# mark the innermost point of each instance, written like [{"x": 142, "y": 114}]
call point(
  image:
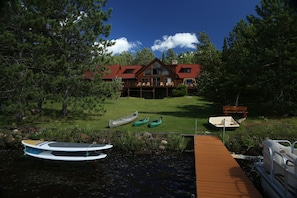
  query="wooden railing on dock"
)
[{"x": 218, "y": 174}]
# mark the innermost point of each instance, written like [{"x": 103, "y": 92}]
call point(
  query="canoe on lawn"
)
[
  {"x": 141, "y": 122},
  {"x": 155, "y": 123},
  {"x": 123, "y": 120}
]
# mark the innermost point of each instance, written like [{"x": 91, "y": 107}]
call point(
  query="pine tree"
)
[
  {"x": 274, "y": 52},
  {"x": 50, "y": 45},
  {"x": 211, "y": 75},
  {"x": 143, "y": 57}
]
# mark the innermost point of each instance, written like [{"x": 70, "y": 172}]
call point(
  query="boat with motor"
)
[
  {"x": 123, "y": 120},
  {"x": 278, "y": 168}
]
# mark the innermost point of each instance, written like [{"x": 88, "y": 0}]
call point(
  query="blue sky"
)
[{"x": 163, "y": 24}]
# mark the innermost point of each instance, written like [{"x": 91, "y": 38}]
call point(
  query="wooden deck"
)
[{"x": 217, "y": 172}]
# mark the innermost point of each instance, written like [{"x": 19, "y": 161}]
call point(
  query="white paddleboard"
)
[
  {"x": 64, "y": 146},
  {"x": 64, "y": 156}
]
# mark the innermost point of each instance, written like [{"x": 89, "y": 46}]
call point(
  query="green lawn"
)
[{"x": 179, "y": 115}]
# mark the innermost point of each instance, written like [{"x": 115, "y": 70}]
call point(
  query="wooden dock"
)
[{"x": 217, "y": 172}]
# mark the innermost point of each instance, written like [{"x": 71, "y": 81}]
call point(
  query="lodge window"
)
[
  {"x": 185, "y": 70},
  {"x": 168, "y": 80},
  {"x": 128, "y": 71},
  {"x": 156, "y": 69},
  {"x": 189, "y": 81},
  {"x": 156, "y": 72},
  {"x": 144, "y": 80},
  {"x": 147, "y": 72}
]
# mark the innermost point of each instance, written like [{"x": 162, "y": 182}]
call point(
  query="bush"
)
[{"x": 180, "y": 90}]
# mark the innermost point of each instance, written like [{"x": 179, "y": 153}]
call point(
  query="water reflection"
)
[{"x": 116, "y": 176}]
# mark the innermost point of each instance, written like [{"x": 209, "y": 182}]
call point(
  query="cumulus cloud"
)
[
  {"x": 182, "y": 40},
  {"x": 122, "y": 45}
]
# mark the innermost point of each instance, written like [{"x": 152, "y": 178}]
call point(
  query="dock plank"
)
[{"x": 217, "y": 172}]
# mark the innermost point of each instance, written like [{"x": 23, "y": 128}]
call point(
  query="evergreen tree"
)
[
  {"x": 163, "y": 58},
  {"x": 143, "y": 57},
  {"x": 237, "y": 60},
  {"x": 187, "y": 58},
  {"x": 16, "y": 77},
  {"x": 125, "y": 58},
  {"x": 170, "y": 56},
  {"x": 274, "y": 54},
  {"x": 209, "y": 81},
  {"x": 260, "y": 60},
  {"x": 54, "y": 43}
]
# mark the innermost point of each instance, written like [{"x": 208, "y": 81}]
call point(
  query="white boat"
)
[
  {"x": 64, "y": 146},
  {"x": 223, "y": 122},
  {"x": 65, "y": 151},
  {"x": 64, "y": 156},
  {"x": 278, "y": 169},
  {"x": 123, "y": 120}
]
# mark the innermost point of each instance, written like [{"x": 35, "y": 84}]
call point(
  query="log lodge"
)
[{"x": 155, "y": 80}]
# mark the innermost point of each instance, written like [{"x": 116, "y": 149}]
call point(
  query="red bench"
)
[{"x": 235, "y": 109}]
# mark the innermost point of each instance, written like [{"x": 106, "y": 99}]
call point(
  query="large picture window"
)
[
  {"x": 157, "y": 70},
  {"x": 147, "y": 72}
]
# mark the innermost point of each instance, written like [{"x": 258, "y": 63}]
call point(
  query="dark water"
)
[{"x": 118, "y": 175}]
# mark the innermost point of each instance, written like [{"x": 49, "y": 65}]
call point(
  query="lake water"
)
[{"x": 118, "y": 175}]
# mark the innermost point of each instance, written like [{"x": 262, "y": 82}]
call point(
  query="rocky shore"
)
[
  {"x": 139, "y": 143},
  {"x": 11, "y": 138}
]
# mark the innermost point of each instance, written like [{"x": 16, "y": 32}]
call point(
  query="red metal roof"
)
[
  {"x": 124, "y": 72},
  {"x": 130, "y": 71},
  {"x": 188, "y": 70},
  {"x": 113, "y": 69}
]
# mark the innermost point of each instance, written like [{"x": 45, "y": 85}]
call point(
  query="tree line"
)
[
  {"x": 46, "y": 46},
  {"x": 258, "y": 62}
]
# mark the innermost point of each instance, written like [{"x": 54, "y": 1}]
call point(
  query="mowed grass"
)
[{"x": 186, "y": 115}]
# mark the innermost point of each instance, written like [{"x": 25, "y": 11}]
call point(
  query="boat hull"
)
[
  {"x": 278, "y": 168},
  {"x": 64, "y": 151},
  {"x": 141, "y": 122},
  {"x": 269, "y": 188},
  {"x": 221, "y": 122},
  {"x": 123, "y": 121},
  {"x": 64, "y": 156},
  {"x": 64, "y": 146},
  {"x": 155, "y": 123}
]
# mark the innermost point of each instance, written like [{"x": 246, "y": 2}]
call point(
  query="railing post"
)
[{"x": 224, "y": 132}]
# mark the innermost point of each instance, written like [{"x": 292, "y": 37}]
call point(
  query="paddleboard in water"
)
[
  {"x": 64, "y": 156},
  {"x": 64, "y": 146}
]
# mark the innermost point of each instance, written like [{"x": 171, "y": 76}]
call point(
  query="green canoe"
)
[
  {"x": 155, "y": 123},
  {"x": 141, "y": 122}
]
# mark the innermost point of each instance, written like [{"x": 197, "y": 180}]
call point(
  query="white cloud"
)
[
  {"x": 122, "y": 45},
  {"x": 182, "y": 40}
]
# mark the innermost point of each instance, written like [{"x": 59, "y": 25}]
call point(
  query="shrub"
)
[{"x": 180, "y": 90}]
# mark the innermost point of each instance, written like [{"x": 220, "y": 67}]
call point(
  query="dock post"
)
[{"x": 224, "y": 130}]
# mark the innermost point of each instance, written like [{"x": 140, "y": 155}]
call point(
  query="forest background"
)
[{"x": 46, "y": 47}]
